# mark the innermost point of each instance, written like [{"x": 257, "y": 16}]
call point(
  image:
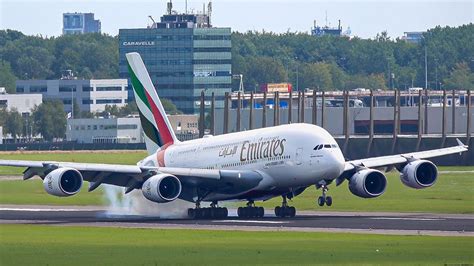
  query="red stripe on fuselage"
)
[{"x": 160, "y": 121}]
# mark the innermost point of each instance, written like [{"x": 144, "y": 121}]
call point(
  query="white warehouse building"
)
[
  {"x": 23, "y": 104},
  {"x": 90, "y": 95},
  {"x": 124, "y": 130}
]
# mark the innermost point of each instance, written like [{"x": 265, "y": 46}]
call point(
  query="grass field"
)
[
  {"x": 53, "y": 245},
  {"x": 453, "y": 193}
]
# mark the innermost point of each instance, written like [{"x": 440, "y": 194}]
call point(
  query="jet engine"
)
[
  {"x": 419, "y": 174},
  {"x": 368, "y": 183},
  {"x": 162, "y": 188},
  {"x": 63, "y": 182}
]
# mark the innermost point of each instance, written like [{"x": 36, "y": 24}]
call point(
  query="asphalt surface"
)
[{"x": 378, "y": 223}]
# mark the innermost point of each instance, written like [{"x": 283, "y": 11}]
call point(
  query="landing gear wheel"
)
[
  {"x": 250, "y": 211},
  {"x": 321, "y": 201},
  {"x": 328, "y": 201},
  {"x": 278, "y": 211},
  {"x": 291, "y": 211},
  {"x": 284, "y": 210},
  {"x": 192, "y": 213}
]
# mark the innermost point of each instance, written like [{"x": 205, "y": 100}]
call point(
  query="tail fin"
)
[{"x": 155, "y": 123}]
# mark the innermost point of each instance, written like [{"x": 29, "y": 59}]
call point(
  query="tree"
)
[
  {"x": 50, "y": 120},
  {"x": 461, "y": 78},
  {"x": 169, "y": 106},
  {"x": 13, "y": 123},
  {"x": 7, "y": 78},
  {"x": 316, "y": 76}
]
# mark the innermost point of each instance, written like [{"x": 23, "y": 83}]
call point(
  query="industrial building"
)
[
  {"x": 124, "y": 130},
  {"x": 90, "y": 95},
  {"x": 184, "y": 55},
  {"x": 22, "y": 104},
  {"x": 413, "y": 36},
  {"x": 80, "y": 23}
]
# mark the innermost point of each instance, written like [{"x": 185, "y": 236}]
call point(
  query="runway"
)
[{"x": 353, "y": 222}]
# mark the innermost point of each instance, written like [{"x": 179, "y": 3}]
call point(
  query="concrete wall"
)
[{"x": 334, "y": 118}]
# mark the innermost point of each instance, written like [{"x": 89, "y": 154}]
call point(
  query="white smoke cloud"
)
[{"x": 133, "y": 203}]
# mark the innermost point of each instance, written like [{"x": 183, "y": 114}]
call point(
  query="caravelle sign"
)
[{"x": 141, "y": 43}]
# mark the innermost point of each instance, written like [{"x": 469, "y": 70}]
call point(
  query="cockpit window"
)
[
  {"x": 334, "y": 145},
  {"x": 328, "y": 146}
]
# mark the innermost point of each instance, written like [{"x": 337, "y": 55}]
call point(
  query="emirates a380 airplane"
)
[{"x": 254, "y": 165}]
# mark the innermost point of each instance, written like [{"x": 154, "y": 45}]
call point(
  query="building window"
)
[
  {"x": 107, "y": 101},
  {"x": 38, "y": 89},
  {"x": 86, "y": 88},
  {"x": 66, "y": 101},
  {"x": 108, "y": 88},
  {"x": 95, "y": 127},
  {"x": 20, "y": 89},
  {"x": 130, "y": 126},
  {"x": 87, "y": 101},
  {"x": 67, "y": 88}
]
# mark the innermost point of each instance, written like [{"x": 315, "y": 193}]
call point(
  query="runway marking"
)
[
  {"x": 406, "y": 219},
  {"x": 43, "y": 210},
  {"x": 251, "y": 221}
]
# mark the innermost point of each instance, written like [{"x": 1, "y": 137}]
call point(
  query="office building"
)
[
  {"x": 24, "y": 105},
  {"x": 80, "y": 23},
  {"x": 90, "y": 95},
  {"x": 184, "y": 55}
]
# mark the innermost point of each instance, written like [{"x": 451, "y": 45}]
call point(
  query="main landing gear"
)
[
  {"x": 251, "y": 211},
  {"x": 285, "y": 210},
  {"x": 214, "y": 212},
  {"x": 324, "y": 199}
]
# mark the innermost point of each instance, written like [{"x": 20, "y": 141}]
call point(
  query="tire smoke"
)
[{"x": 133, "y": 203}]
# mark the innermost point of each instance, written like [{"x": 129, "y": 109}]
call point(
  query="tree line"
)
[{"x": 306, "y": 61}]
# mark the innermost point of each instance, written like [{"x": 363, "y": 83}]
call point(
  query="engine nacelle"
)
[
  {"x": 419, "y": 174},
  {"x": 162, "y": 188},
  {"x": 63, "y": 182},
  {"x": 368, "y": 183}
]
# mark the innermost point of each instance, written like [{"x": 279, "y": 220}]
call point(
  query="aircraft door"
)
[{"x": 299, "y": 155}]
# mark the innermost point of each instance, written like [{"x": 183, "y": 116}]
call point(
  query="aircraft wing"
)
[
  {"x": 393, "y": 160},
  {"x": 132, "y": 176}
]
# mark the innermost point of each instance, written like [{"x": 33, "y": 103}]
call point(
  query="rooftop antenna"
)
[
  {"x": 170, "y": 7},
  {"x": 326, "y": 18},
  {"x": 209, "y": 11}
]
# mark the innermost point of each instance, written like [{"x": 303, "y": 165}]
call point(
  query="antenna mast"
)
[
  {"x": 170, "y": 7},
  {"x": 209, "y": 11}
]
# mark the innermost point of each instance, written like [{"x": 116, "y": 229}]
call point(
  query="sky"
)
[{"x": 365, "y": 18}]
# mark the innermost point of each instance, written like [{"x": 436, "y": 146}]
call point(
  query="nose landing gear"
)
[
  {"x": 285, "y": 210},
  {"x": 324, "y": 199}
]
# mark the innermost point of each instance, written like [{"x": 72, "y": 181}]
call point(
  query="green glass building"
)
[{"x": 184, "y": 55}]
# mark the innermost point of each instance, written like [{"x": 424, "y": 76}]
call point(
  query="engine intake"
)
[
  {"x": 63, "y": 182},
  {"x": 419, "y": 174},
  {"x": 368, "y": 183},
  {"x": 162, "y": 188}
]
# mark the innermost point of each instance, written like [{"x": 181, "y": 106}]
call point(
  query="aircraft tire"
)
[
  {"x": 328, "y": 201},
  {"x": 321, "y": 201}
]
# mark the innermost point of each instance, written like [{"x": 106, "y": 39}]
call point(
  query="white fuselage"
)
[{"x": 284, "y": 155}]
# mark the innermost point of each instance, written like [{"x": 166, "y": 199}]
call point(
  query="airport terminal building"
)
[{"x": 184, "y": 55}]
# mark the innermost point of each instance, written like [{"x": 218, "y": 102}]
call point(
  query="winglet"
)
[{"x": 460, "y": 143}]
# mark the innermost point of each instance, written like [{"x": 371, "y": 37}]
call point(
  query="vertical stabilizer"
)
[{"x": 155, "y": 123}]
